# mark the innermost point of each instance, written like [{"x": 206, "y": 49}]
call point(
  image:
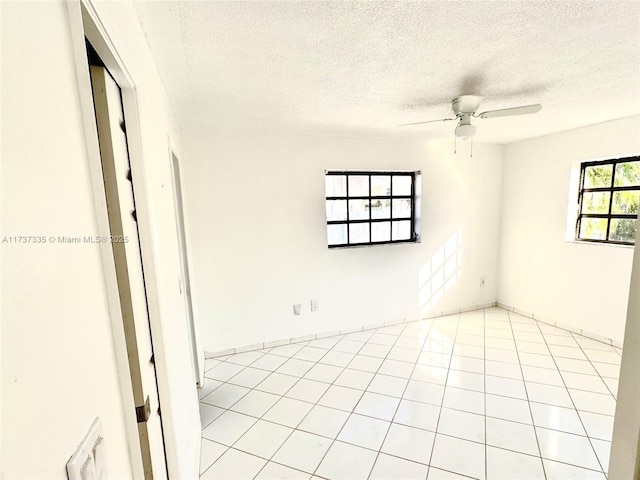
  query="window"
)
[
  {"x": 370, "y": 208},
  {"x": 608, "y": 201}
]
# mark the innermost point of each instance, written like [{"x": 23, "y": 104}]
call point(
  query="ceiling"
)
[{"x": 362, "y": 68}]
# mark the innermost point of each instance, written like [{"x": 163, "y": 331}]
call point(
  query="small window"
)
[
  {"x": 608, "y": 201},
  {"x": 370, "y": 208}
]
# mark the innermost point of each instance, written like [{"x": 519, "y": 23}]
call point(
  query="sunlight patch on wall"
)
[{"x": 440, "y": 273}]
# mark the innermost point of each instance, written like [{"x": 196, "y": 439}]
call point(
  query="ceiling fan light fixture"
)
[{"x": 465, "y": 132}]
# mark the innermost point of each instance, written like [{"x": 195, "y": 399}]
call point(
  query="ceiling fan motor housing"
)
[{"x": 465, "y": 105}]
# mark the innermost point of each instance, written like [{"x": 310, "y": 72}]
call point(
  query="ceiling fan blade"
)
[
  {"x": 505, "y": 112},
  {"x": 428, "y": 121}
]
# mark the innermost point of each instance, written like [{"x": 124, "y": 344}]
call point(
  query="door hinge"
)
[{"x": 143, "y": 411}]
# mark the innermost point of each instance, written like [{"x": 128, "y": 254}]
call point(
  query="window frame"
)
[
  {"x": 414, "y": 236},
  {"x": 611, "y": 189}
]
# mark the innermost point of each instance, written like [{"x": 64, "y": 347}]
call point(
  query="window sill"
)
[{"x": 600, "y": 244}]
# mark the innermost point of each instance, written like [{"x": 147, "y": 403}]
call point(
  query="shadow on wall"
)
[{"x": 440, "y": 273}]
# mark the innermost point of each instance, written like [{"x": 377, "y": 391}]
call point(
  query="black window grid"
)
[
  {"x": 411, "y": 217},
  {"x": 611, "y": 189}
]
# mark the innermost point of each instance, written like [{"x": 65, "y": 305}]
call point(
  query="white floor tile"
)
[
  {"x": 225, "y": 395},
  {"x": 507, "y": 408},
  {"x": 354, "y": 378},
  {"x": 417, "y": 414},
  {"x": 295, "y": 367},
  {"x": 576, "y": 366},
  {"x": 409, "y": 443},
  {"x": 506, "y": 465},
  {"x": 346, "y": 462},
  {"x": 508, "y": 387},
  {"x": 396, "y": 368},
  {"x": 608, "y": 370},
  {"x": 467, "y": 364},
  {"x": 388, "y": 467},
  {"x": 326, "y": 343},
  {"x": 467, "y": 380},
  {"x": 324, "y": 421},
  {"x": 275, "y": 471},
  {"x": 365, "y": 363},
  {"x": 286, "y": 350},
  {"x": 308, "y": 390},
  {"x": 209, "y": 386},
  {"x": 593, "y": 402},
  {"x": 597, "y": 425},
  {"x": 456, "y": 423},
  {"x": 377, "y": 406},
  {"x": 542, "y": 375},
  {"x": 373, "y": 350},
  {"x": 387, "y": 385},
  {"x": 269, "y": 362},
  {"x": 209, "y": 453},
  {"x": 370, "y": 403},
  {"x": 567, "y": 352},
  {"x": 602, "y": 356},
  {"x": 249, "y": 377},
  {"x": 502, "y": 369},
  {"x": 277, "y": 383},
  {"x": 428, "y": 373},
  {"x": 208, "y": 413},
  {"x": 512, "y": 436},
  {"x": 255, "y": 403},
  {"x": 245, "y": 358},
  {"x": 342, "y": 398},
  {"x": 209, "y": 363},
  {"x": 234, "y": 464},
  {"x": 603, "y": 450},
  {"x": 549, "y": 394},
  {"x": 404, "y": 354},
  {"x": 438, "y": 474},
  {"x": 311, "y": 354},
  {"x": 580, "y": 381},
  {"x": 567, "y": 448},
  {"x": 288, "y": 411},
  {"x": 323, "y": 373},
  {"x": 562, "y": 471},
  {"x": 424, "y": 392},
  {"x": 303, "y": 451},
  {"x": 537, "y": 360},
  {"x": 337, "y": 359},
  {"x": 466, "y": 400},
  {"x": 224, "y": 371},
  {"x": 228, "y": 427},
  {"x": 348, "y": 346},
  {"x": 459, "y": 456},
  {"x": 364, "y": 431},
  {"x": 556, "y": 418},
  {"x": 498, "y": 355},
  {"x": 263, "y": 439}
]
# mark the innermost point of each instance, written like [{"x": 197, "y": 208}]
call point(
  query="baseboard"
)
[
  {"x": 563, "y": 326},
  {"x": 316, "y": 336}
]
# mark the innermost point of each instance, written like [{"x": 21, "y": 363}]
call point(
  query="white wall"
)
[
  {"x": 257, "y": 224},
  {"x": 58, "y": 364},
  {"x": 579, "y": 284}
]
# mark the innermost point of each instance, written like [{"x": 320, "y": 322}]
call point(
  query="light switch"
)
[{"x": 89, "y": 461}]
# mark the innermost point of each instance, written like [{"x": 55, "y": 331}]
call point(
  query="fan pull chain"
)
[
  {"x": 471, "y": 147},
  {"x": 455, "y": 143}
]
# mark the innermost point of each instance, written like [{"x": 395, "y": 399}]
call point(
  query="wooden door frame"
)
[{"x": 84, "y": 22}]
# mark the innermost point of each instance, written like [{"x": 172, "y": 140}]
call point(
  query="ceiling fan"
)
[{"x": 465, "y": 106}]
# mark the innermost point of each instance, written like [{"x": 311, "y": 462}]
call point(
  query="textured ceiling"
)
[{"x": 361, "y": 68}]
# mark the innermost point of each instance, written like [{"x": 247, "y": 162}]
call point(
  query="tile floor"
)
[{"x": 487, "y": 394}]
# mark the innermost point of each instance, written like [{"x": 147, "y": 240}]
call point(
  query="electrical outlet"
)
[
  {"x": 483, "y": 281},
  {"x": 314, "y": 305}
]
